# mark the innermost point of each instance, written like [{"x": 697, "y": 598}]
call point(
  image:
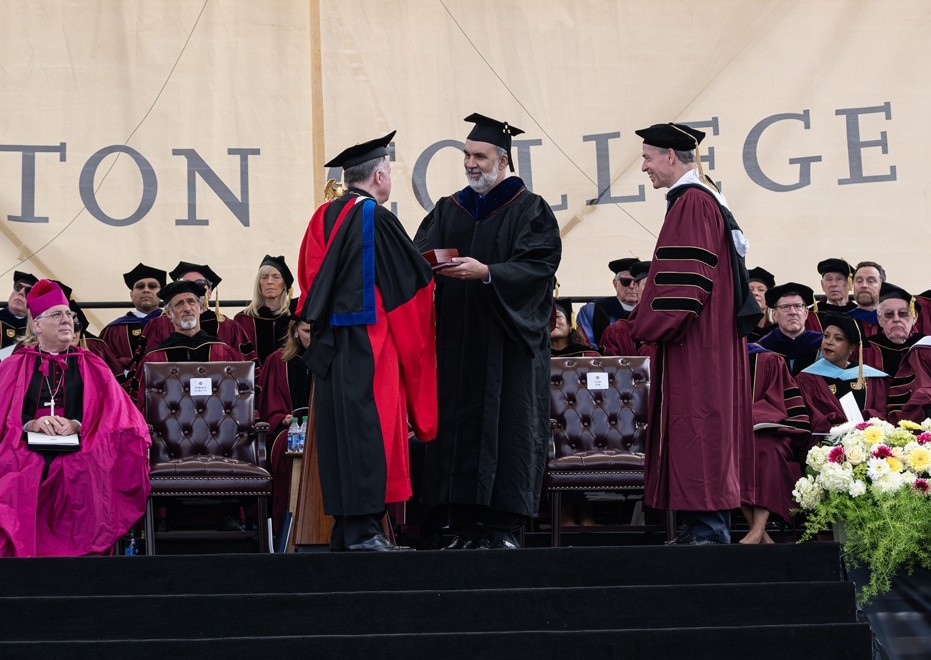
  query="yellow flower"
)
[
  {"x": 919, "y": 459},
  {"x": 874, "y": 434},
  {"x": 910, "y": 425},
  {"x": 895, "y": 464}
]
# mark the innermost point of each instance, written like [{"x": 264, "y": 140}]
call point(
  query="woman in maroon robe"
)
[
  {"x": 285, "y": 389},
  {"x": 265, "y": 321}
]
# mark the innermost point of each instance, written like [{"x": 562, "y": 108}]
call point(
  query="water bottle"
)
[
  {"x": 130, "y": 549},
  {"x": 294, "y": 436},
  {"x": 303, "y": 432}
]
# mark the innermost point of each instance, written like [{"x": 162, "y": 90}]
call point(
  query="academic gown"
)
[
  {"x": 700, "y": 429},
  {"x": 264, "y": 332},
  {"x": 822, "y": 393},
  {"x": 594, "y": 317},
  {"x": 123, "y": 335},
  {"x": 617, "y": 340},
  {"x": 493, "y": 349},
  {"x": 910, "y": 391},
  {"x": 799, "y": 352},
  {"x": 225, "y": 329},
  {"x": 777, "y": 400},
  {"x": 179, "y": 347},
  {"x": 89, "y": 498},
  {"x": 284, "y": 387},
  {"x": 368, "y": 294},
  {"x": 884, "y": 354},
  {"x": 11, "y": 327}
]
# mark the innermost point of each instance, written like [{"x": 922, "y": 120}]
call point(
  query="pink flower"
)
[
  {"x": 922, "y": 486},
  {"x": 837, "y": 455},
  {"x": 882, "y": 451},
  {"x": 923, "y": 438},
  {"x": 863, "y": 425}
]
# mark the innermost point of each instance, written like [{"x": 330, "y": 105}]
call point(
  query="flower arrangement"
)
[{"x": 873, "y": 478}]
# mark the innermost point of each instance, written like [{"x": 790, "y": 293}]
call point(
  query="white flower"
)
[
  {"x": 877, "y": 468},
  {"x": 857, "y": 488},
  {"x": 889, "y": 482},
  {"x": 855, "y": 453},
  {"x": 836, "y": 477},
  {"x": 817, "y": 456},
  {"x": 807, "y": 492}
]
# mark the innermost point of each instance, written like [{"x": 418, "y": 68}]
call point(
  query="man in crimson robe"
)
[
  {"x": 73, "y": 449},
  {"x": 368, "y": 294},
  {"x": 123, "y": 335},
  {"x": 700, "y": 424},
  {"x": 493, "y": 344}
]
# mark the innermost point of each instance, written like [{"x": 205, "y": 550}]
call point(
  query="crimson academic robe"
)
[
  {"x": 493, "y": 348},
  {"x": 617, "y": 340},
  {"x": 369, "y": 296},
  {"x": 700, "y": 427},
  {"x": 778, "y": 404},
  {"x": 910, "y": 391},
  {"x": 178, "y": 347},
  {"x": 821, "y": 395},
  {"x": 123, "y": 335},
  {"x": 89, "y": 498},
  {"x": 264, "y": 331},
  {"x": 884, "y": 354},
  {"x": 284, "y": 387},
  {"x": 225, "y": 329}
]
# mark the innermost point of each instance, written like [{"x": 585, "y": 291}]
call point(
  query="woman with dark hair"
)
[
  {"x": 825, "y": 382},
  {"x": 265, "y": 321},
  {"x": 565, "y": 340},
  {"x": 285, "y": 389}
]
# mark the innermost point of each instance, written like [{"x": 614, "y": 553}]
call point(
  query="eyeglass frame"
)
[
  {"x": 72, "y": 316},
  {"x": 890, "y": 314},
  {"x": 788, "y": 307},
  {"x": 22, "y": 287}
]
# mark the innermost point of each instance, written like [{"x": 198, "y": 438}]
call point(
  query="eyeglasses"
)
[
  {"x": 798, "y": 307},
  {"x": 902, "y": 314},
  {"x": 626, "y": 281},
  {"x": 22, "y": 287},
  {"x": 57, "y": 316}
]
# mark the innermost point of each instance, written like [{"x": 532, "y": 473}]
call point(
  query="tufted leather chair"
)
[
  {"x": 599, "y": 434},
  {"x": 205, "y": 446}
]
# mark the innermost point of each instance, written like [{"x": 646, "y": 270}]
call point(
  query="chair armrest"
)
[{"x": 261, "y": 431}]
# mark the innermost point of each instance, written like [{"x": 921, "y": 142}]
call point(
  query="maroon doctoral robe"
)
[
  {"x": 820, "y": 395},
  {"x": 777, "y": 403},
  {"x": 910, "y": 391},
  {"x": 89, "y": 498},
  {"x": 700, "y": 409}
]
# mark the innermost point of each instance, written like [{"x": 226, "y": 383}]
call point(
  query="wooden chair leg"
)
[{"x": 149, "y": 527}]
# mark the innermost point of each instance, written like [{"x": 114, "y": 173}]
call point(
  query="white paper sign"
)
[
  {"x": 850, "y": 408},
  {"x": 597, "y": 380},
  {"x": 201, "y": 387}
]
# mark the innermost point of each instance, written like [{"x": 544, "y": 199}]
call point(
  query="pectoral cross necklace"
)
[{"x": 53, "y": 393}]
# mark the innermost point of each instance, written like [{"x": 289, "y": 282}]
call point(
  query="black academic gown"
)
[
  {"x": 11, "y": 327},
  {"x": 493, "y": 349}
]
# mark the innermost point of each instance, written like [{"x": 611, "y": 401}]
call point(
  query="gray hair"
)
[
  {"x": 685, "y": 155},
  {"x": 360, "y": 173}
]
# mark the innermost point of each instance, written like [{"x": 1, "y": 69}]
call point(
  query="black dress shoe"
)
[
  {"x": 462, "y": 543},
  {"x": 376, "y": 543},
  {"x": 500, "y": 542}
]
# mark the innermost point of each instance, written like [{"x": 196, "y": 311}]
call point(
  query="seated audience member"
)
[
  {"x": 868, "y": 277},
  {"x": 923, "y": 324},
  {"x": 565, "y": 340},
  {"x": 188, "y": 342},
  {"x": 616, "y": 339},
  {"x": 833, "y": 376},
  {"x": 761, "y": 281},
  {"x": 73, "y": 449},
  {"x": 211, "y": 322},
  {"x": 265, "y": 321},
  {"x": 124, "y": 334},
  {"x": 597, "y": 315},
  {"x": 285, "y": 387},
  {"x": 782, "y": 433},
  {"x": 789, "y": 304},
  {"x": 897, "y": 314},
  {"x": 836, "y": 283},
  {"x": 13, "y": 316}
]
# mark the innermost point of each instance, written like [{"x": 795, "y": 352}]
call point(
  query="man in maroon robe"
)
[
  {"x": 80, "y": 501},
  {"x": 368, "y": 294},
  {"x": 700, "y": 424}
]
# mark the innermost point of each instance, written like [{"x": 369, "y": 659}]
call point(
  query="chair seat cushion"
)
[
  {"x": 607, "y": 459},
  {"x": 208, "y": 474},
  {"x": 593, "y": 480}
]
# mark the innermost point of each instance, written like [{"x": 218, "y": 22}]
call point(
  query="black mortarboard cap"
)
[
  {"x": 889, "y": 291},
  {"x": 65, "y": 289},
  {"x": 27, "y": 278},
  {"x": 565, "y": 306},
  {"x": 185, "y": 267},
  {"x": 359, "y": 153},
  {"x": 773, "y": 294},
  {"x": 835, "y": 266},
  {"x": 142, "y": 272},
  {"x": 639, "y": 270},
  {"x": 618, "y": 265},
  {"x": 82, "y": 317},
  {"x": 278, "y": 264},
  {"x": 763, "y": 276},
  {"x": 169, "y": 291},
  {"x": 498, "y": 133},
  {"x": 849, "y": 325},
  {"x": 671, "y": 136}
]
